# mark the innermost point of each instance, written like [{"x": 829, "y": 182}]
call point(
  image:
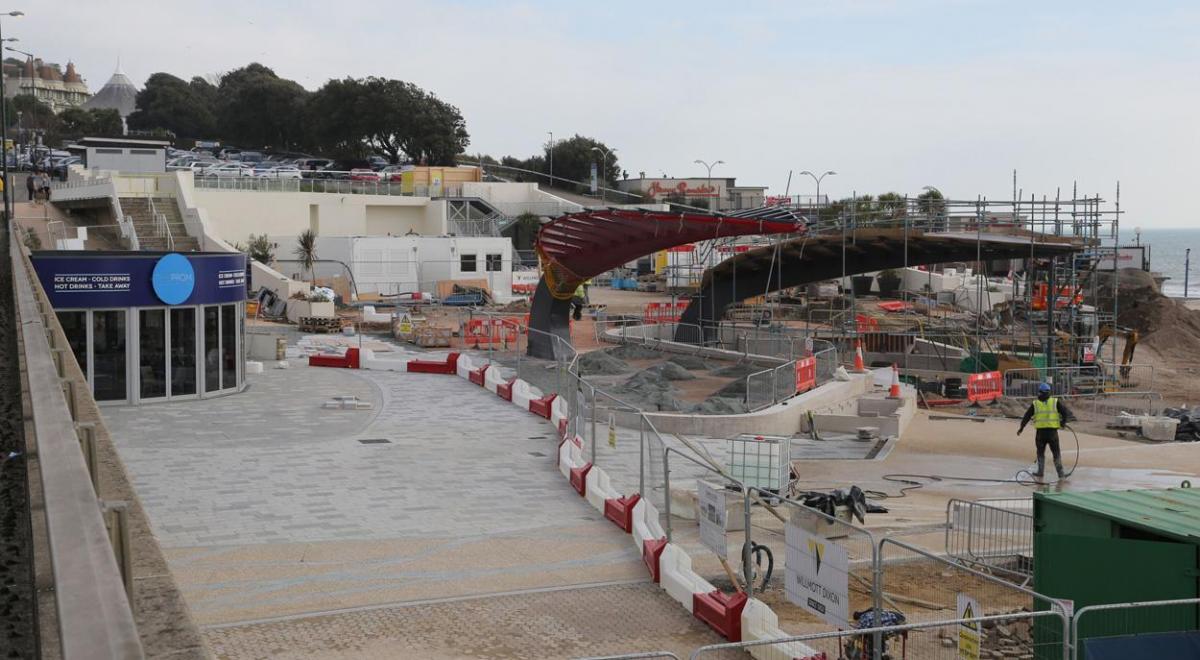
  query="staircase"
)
[{"x": 159, "y": 225}]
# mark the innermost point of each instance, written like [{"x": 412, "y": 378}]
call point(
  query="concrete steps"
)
[{"x": 138, "y": 208}]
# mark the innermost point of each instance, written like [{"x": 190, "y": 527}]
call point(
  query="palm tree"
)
[{"x": 306, "y": 251}]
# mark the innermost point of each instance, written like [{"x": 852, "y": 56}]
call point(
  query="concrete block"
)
[{"x": 253, "y": 367}]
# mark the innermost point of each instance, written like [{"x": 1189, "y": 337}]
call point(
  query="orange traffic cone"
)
[
  {"x": 894, "y": 390},
  {"x": 858, "y": 358}
]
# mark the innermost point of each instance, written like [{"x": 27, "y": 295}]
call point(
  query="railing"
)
[
  {"x": 97, "y": 188},
  {"x": 991, "y": 534},
  {"x": 91, "y": 597},
  {"x": 161, "y": 227},
  {"x": 325, "y": 181},
  {"x": 1124, "y": 619},
  {"x": 1088, "y": 381},
  {"x": 770, "y": 386}
]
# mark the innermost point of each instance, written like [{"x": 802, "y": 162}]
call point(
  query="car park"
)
[
  {"x": 228, "y": 170},
  {"x": 363, "y": 174}
]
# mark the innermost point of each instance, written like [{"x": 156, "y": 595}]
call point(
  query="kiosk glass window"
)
[
  {"x": 108, "y": 355},
  {"x": 152, "y": 353},
  {"x": 228, "y": 346},
  {"x": 212, "y": 349},
  {"x": 183, "y": 351},
  {"x": 74, "y": 325}
]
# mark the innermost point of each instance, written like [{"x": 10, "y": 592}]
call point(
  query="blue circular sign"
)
[{"x": 173, "y": 279}]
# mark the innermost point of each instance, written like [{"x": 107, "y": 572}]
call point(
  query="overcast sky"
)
[{"x": 893, "y": 95}]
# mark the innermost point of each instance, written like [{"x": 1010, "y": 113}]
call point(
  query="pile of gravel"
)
[
  {"x": 740, "y": 370},
  {"x": 601, "y": 363},
  {"x": 689, "y": 362},
  {"x": 720, "y": 405},
  {"x": 633, "y": 352}
]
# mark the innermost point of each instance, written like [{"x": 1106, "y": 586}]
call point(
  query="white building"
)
[{"x": 391, "y": 265}]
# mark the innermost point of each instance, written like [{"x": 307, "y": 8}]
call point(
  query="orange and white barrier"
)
[
  {"x": 986, "y": 386},
  {"x": 663, "y": 312}
]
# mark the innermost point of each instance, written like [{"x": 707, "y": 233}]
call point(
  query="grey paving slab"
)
[{"x": 271, "y": 464}]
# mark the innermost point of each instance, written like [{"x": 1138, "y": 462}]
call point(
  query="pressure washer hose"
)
[{"x": 909, "y": 480}]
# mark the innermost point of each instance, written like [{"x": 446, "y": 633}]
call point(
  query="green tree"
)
[
  {"x": 523, "y": 230},
  {"x": 171, "y": 103},
  {"x": 573, "y": 159},
  {"x": 931, "y": 203},
  {"x": 354, "y": 117},
  {"x": 257, "y": 108},
  {"x": 260, "y": 249},
  {"x": 37, "y": 116},
  {"x": 306, "y": 252},
  {"x": 96, "y": 122}
]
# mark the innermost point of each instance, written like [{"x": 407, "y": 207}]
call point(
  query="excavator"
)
[{"x": 1131, "y": 342}]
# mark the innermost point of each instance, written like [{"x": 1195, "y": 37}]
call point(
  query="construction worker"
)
[
  {"x": 1048, "y": 415},
  {"x": 578, "y": 301}
]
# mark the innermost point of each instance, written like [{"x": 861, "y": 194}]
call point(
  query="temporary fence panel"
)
[
  {"x": 1136, "y": 630},
  {"x": 992, "y": 535},
  {"x": 926, "y": 587},
  {"x": 664, "y": 312},
  {"x": 950, "y": 638}
]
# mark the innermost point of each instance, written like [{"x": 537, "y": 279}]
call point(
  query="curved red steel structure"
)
[{"x": 577, "y": 246}]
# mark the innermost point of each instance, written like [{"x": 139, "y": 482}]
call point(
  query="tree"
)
[
  {"x": 523, "y": 230},
  {"x": 256, "y": 107},
  {"x": 306, "y": 252},
  {"x": 96, "y": 122},
  {"x": 261, "y": 250},
  {"x": 931, "y": 203},
  {"x": 353, "y": 117},
  {"x": 573, "y": 159},
  {"x": 37, "y": 116},
  {"x": 170, "y": 103}
]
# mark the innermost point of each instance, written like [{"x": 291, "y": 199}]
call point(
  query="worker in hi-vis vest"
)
[
  {"x": 578, "y": 300},
  {"x": 1049, "y": 415}
]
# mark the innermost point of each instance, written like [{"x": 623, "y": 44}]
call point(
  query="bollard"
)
[
  {"x": 116, "y": 520},
  {"x": 91, "y": 456}
]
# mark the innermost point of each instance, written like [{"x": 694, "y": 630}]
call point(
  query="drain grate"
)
[
  {"x": 537, "y": 453},
  {"x": 539, "y": 437},
  {"x": 375, "y": 441}
]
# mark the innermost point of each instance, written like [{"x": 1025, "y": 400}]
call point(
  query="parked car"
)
[
  {"x": 393, "y": 172},
  {"x": 229, "y": 170},
  {"x": 278, "y": 172},
  {"x": 378, "y": 162},
  {"x": 250, "y": 157},
  {"x": 59, "y": 170},
  {"x": 363, "y": 174}
]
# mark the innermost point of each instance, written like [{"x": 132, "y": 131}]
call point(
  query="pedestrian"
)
[
  {"x": 1049, "y": 415},
  {"x": 30, "y": 185},
  {"x": 44, "y": 179}
]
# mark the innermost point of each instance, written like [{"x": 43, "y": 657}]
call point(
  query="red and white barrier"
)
[
  {"x": 759, "y": 622},
  {"x": 599, "y": 489},
  {"x": 493, "y": 380},
  {"x": 987, "y": 386},
  {"x": 678, "y": 578},
  {"x": 570, "y": 456},
  {"x": 523, "y": 393},
  {"x": 369, "y": 315}
]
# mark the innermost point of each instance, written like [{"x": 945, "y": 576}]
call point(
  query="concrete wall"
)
[
  {"x": 236, "y": 214},
  {"x": 513, "y": 199}
]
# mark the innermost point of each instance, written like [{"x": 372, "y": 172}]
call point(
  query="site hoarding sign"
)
[
  {"x": 712, "y": 514},
  {"x": 969, "y": 634},
  {"x": 817, "y": 575}
]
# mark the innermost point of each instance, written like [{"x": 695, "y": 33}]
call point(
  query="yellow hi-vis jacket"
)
[{"x": 1045, "y": 414}]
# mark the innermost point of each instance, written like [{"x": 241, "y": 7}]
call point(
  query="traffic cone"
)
[
  {"x": 894, "y": 390},
  {"x": 858, "y": 358}
]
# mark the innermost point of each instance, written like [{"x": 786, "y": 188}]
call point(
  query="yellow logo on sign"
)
[{"x": 816, "y": 548}]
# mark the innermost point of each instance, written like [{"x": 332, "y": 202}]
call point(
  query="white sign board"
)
[
  {"x": 969, "y": 634},
  {"x": 818, "y": 575},
  {"x": 712, "y": 518}
]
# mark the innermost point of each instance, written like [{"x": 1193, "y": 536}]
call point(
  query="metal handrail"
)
[
  {"x": 94, "y": 616},
  {"x": 161, "y": 226}
]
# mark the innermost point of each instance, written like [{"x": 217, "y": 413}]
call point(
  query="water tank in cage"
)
[{"x": 760, "y": 461}]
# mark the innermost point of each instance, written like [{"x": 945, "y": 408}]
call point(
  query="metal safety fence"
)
[
  {"x": 1000, "y": 635},
  {"x": 1096, "y": 624},
  {"x": 1080, "y": 381},
  {"x": 997, "y": 536},
  {"x": 770, "y": 386}
]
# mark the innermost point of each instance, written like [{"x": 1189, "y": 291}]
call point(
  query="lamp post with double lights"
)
[
  {"x": 710, "y": 169},
  {"x": 818, "y": 180},
  {"x": 603, "y": 169}
]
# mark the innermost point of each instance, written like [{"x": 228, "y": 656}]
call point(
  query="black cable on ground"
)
[{"x": 910, "y": 481}]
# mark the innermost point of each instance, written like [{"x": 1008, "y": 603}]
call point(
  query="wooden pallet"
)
[{"x": 319, "y": 325}]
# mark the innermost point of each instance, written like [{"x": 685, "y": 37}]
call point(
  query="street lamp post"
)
[
  {"x": 551, "y": 157},
  {"x": 4, "y": 131},
  {"x": 818, "y": 180},
  {"x": 603, "y": 170},
  {"x": 710, "y": 169}
]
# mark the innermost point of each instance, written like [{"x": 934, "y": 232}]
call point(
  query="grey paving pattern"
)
[
  {"x": 271, "y": 466},
  {"x": 554, "y": 624}
]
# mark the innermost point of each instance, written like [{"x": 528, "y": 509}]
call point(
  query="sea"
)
[{"x": 1168, "y": 251}]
